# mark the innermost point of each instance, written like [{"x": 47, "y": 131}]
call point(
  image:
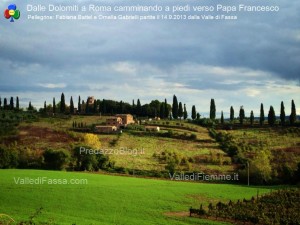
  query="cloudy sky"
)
[{"x": 244, "y": 62}]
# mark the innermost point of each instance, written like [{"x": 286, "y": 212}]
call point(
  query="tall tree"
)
[
  {"x": 175, "y": 108},
  {"x": 104, "y": 108},
  {"x": 30, "y": 107},
  {"x": 251, "y": 117},
  {"x": 231, "y": 114},
  {"x": 282, "y": 114},
  {"x": 99, "y": 106},
  {"x": 242, "y": 115},
  {"x": 185, "y": 114},
  {"x": 54, "y": 106},
  {"x": 62, "y": 103},
  {"x": 262, "y": 115},
  {"x": 180, "y": 110},
  {"x": 271, "y": 116},
  {"x": 212, "y": 114},
  {"x": 293, "y": 116},
  {"x": 167, "y": 113},
  {"x": 194, "y": 113},
  {"x": 45, "y": 107},
  {"x": 138, "y": 108},
  {"x": 5, "y": 104},
  {"x": 79, "y": 104},
  {"x": 11, "y": 103},
  {"x": 222, "y": 118},
  {"x": 17, "y": 103},
  {"x": 83, "y": 106},
  {"x": 133, "y": 107},
  {"x": 95, "y": 106},
  {"x": 162, "y": 111},
  {"x": 71, "y": 105},
  {"x": 0, "y": 102},
  {"x": 87, "y": 106}
]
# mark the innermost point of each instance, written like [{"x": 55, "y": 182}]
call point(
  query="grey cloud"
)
[{"x": 79, "y": 53}]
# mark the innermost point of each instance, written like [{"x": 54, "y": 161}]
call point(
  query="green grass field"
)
[{"x": 111, "y": 199}]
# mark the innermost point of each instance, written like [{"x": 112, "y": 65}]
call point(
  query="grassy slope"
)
[
  {"x": 110, "y": 199},
  {"x": 202, "y": 148}
]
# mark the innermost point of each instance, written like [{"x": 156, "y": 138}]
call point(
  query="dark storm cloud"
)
[{"x": 83, "y": 54}]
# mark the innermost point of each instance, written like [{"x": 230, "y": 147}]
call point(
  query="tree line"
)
[
  {"x": 9, "y": 105},
  {"x": 153, "y": 109}
]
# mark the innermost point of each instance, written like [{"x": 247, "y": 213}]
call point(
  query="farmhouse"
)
[
  {"x": 114, "y": 121},
  {"x": 105, "y": 129},
  {"x": 91, "y": 100},
  {"x": 126, "y": 118}
]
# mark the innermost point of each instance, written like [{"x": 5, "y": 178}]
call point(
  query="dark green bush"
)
[{"x": 56, "y": 160}]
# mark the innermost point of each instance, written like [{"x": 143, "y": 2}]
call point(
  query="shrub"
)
[
  {"x": 170, "y": 133},
  {"x": 171, "y": 165},
  {"x": 191, "y": 160},
  {"x": 193, "y": 136},
  {"x": 8, "y": 159},
  {"x": 92, "y": 140},
  {"x": 90, "y": 162},
  {"x": 56, "y": 160},
  {"x": 30, "y": 158}
]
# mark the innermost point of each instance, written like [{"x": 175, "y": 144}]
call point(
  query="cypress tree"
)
[
  {"x": 175, "y": 107},
  {"x": 231, "y": 114},
  {"x": 251, "y": 117},
  {"x": 222, "y": 118},
  {"x": 17, "y": 103},
  {"x": 138, "y": 108},
  {"x": 45, "y": 107},
  {"x": 162, "y": 111},
  {"x": 242, "y": 115},
  {"x": 166, "y": 109},
  {"x": 95, "y": 106},
  {"x": 54, "y": 106},
  {"x": 71, "y": 105},
  {"x": 30, "y": 107},
  {"x": 5, "y": 104},
  {"x": 83, "y": 105},
  {"x": 262, "y": 115},
  {"x": 282, "y": 114},
  {"x": 198, "y": 116},
  {"x": 180, "y": 110},
  {"x": 212, "y": 114},
  {"x": 62, "y": 103},
  {"x": 0, "y": 102},
  {"x": 104, "y": 110},
  {"x": 271, "y": 116},
  {"x": 79, "y": 104},
  {"x": 11, "y": 103},
  {"x": 194, "y": 112},
  {"x": 133, "y": 107},
  {"x": 185, "y": 114},
  {"x": 87, "y": 107},
  {"x": 293, "y": 116}
]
